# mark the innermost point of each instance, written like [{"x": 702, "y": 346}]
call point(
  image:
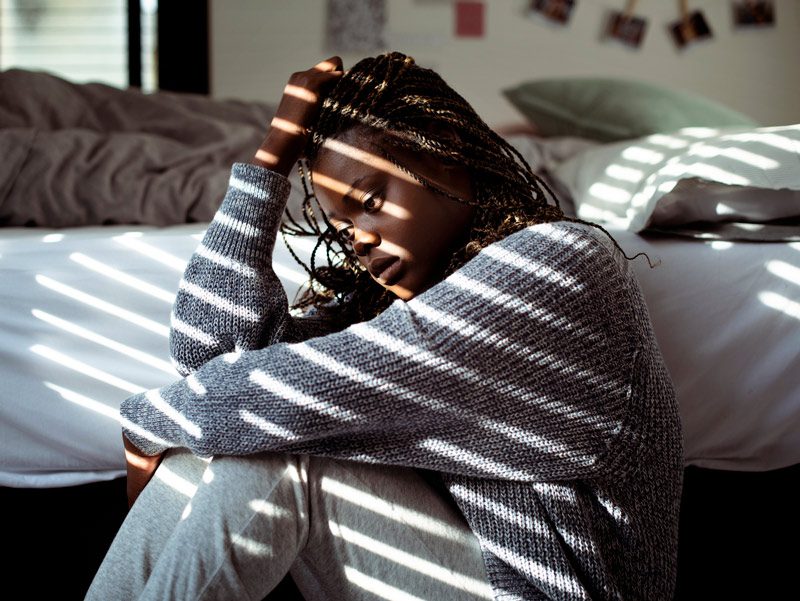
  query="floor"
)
[{"x": 739, "y": 536}]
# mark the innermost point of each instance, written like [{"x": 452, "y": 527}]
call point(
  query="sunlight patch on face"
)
[
  {"x": 369, "y": 159},
  {"x": 455, "y": 580},
  {"x": 340, "y": 188}
]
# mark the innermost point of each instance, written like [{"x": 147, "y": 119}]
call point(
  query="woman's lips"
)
[{"x": 387, "y": 271}]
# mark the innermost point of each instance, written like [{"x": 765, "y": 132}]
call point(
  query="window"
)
[{"x": 79, "y": 40}]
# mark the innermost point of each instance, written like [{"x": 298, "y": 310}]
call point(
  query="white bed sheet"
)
[{"x": 86, "y": 311}]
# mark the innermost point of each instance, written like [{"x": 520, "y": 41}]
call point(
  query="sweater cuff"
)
[{"x": 140, "y": 409}]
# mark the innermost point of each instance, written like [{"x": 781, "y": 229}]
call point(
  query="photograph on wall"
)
[
  {"x": 470, "y": 18},
  {"x": 355, "y": 26},
  {"x": 753, "y": 12},
  {"x": 628, "y": 29},
  {"x": 558, "y": 11},
  {"x": 691, "y": 28}
]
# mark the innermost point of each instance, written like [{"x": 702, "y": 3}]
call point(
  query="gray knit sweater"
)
[{"x": 530, "y": 379}]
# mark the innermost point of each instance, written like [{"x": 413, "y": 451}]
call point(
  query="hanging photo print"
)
[
  {"x": 692, "y": 27},
  {"x": 753, "y": 12},
  {"x": 469, "y": 19},
  {"x": 626, "y": 27},
  {"x": 554, "y": 10}
]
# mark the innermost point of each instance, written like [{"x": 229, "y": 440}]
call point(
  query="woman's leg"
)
[
  {"x": 227, "y": 529},
  {"x": 386, "y": 532},
  {"x": 342, "y": 528},
  {"x": 147, "y": 527}
]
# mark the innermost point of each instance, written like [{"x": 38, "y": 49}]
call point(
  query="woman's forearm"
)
[{"x": 229, "y": 298}]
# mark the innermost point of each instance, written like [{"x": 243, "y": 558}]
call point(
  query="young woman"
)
[{"x": 473, "y": 406}]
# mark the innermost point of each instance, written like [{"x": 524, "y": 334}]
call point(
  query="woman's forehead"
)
[{"x": 346, "y": 158}]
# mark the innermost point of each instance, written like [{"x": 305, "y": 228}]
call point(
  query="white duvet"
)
[{"x": 85, "y": 322}]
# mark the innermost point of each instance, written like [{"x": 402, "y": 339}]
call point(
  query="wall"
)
[{"x": 256, "y": 44}]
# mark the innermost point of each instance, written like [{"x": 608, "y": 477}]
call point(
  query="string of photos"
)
[{"x": 629, "y": 28}]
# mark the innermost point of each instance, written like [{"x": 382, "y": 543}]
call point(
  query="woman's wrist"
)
[{"x": 279, "y": 151}]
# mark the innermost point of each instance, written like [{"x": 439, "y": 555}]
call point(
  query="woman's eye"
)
[
  {"x": 372, "y": 203},
  {"x": 345, "y": 231}
]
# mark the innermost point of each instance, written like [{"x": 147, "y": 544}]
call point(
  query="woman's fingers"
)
[
  {"x": 333, "y": 63},
  {"x": 296, "y": 114}
]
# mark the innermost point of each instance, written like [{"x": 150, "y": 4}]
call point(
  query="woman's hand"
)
[
  {"x": 140, "y": 469},
  {"x": 297, "y": 111}
]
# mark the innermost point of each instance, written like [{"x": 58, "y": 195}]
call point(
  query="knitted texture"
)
[{"x": 530, "y": 379}]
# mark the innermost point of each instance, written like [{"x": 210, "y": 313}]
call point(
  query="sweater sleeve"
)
[
  {"x": 229, "y": 297},
  {"x": 516, "y": 366}
]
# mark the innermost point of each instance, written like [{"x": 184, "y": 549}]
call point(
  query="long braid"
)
[{"x": 391, "y": 94}]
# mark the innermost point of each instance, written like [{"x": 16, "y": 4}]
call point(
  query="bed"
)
[{"x": 88, "y": 280}]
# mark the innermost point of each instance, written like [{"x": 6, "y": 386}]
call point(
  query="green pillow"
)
[{"x": 615, "y": 109}]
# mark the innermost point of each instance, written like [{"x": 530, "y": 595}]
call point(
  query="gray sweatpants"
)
[{"x": 232, "y": 527}]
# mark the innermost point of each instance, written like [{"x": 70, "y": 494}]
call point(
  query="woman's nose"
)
[{"x": 363, "y": 241}]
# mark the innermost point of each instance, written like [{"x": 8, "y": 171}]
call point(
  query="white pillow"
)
[{"x": 694, "y": 174}]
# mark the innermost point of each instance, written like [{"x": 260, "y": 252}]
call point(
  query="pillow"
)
[
  {"x": 692, "y": 175},
  {"x": 615, "y": 109}
]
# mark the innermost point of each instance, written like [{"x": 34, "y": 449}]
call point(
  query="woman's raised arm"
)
[{"x": 229, "y": 298}]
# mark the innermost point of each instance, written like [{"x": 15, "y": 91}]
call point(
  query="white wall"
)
[{"x": 256, "y": 44}]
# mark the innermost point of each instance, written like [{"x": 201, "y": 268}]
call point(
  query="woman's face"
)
[{"x": 402, "y": 232}]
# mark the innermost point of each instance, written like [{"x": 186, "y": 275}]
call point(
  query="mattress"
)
[{"x": 85, "y": 325}]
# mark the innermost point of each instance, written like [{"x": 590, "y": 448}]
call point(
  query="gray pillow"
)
[{"x": 607, "y": 109}]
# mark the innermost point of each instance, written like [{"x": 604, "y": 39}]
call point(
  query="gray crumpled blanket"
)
[{"x": 92, "y": 154}]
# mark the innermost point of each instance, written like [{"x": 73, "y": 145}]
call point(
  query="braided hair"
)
[{"x": 391, "y": 94}]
